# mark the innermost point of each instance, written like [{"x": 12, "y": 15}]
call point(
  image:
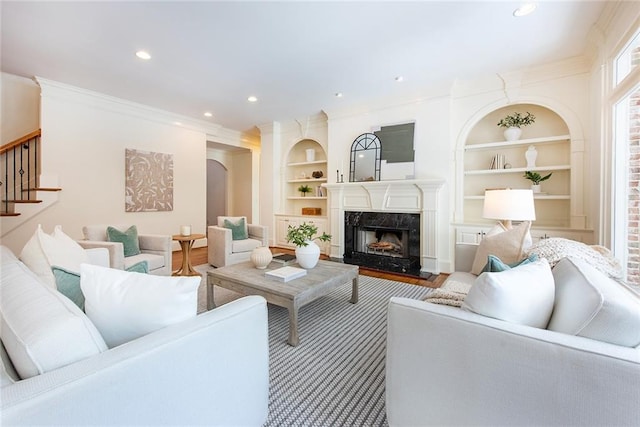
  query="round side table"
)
[{"x": 186, "y": 242}]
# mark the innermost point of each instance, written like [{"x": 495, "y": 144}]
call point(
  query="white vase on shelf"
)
[
  {"x": 311, "y": 154},
  {"x": 512, "y": 134},
  {"x": 535, "y": 188},
  {"x": 531, "y": 155}
]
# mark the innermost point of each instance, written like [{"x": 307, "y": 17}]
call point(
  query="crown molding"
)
[{"x": 66, "y": 92}]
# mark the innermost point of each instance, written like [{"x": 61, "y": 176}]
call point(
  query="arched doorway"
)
[{"x": 216, "y": 191}]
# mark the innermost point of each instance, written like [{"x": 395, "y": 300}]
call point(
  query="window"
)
[{"x": 627, "y": 59}]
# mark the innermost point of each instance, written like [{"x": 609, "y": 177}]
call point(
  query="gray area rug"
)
[{"x": 336, "y": 375}]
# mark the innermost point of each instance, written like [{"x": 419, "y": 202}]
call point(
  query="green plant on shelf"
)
[
  {"x": 535, "y": 177},
  {"x": 304, "y": 189},
  {"x": 517, "y": 120}
]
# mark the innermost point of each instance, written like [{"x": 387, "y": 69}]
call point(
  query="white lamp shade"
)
[{"x": 515, "y": 205}]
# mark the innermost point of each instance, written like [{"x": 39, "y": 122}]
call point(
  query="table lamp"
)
[{"x": 508, "y": 205}]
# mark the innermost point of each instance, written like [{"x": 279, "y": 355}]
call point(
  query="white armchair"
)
[
  {"x": 223, "y": 250},
  {"x": 154, "y": 248}
]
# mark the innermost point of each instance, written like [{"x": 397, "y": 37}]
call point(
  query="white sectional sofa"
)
[
  {"x": 450, "y": 366},
  {"x": 209, "y": 370}
]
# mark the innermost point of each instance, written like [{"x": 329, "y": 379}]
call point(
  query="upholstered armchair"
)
[
  {"x": 155, "y": 249},
  {"x": 233, "y": 240}
]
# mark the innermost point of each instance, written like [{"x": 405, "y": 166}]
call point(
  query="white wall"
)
[
  {"x": 84, "y": 137},
  {"x": 20, "y": 108}
]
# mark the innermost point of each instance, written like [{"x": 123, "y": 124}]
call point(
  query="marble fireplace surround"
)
[{"x": 406, "y": 196}]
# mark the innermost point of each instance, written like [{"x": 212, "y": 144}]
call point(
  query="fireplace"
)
[{"x": 388, "y": 241}]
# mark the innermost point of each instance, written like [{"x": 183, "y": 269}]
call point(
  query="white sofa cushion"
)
[
  {"x": 522, "y": 295},
  {"x": 592, "y": 305},
  {"x": 124, "y": 306},
  {"x": 508, "y": 245},
  {"x": 43, "y": 251},
  {"x": 41, "y": 329},
  {"x": 245, "y": 245},
  {"x": 153, "y": 261}
]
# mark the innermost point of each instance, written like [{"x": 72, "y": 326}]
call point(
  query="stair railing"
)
[{"x": 19, "y": 170}]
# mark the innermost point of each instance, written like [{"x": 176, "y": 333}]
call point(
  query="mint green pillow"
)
[
  {"x": 139, "y": 267},
  {"x": 68, "y": 284},
  {"x": 238, "y": 231},
  {"x": 495, "y": 265},
  {"x": 129, "y": 239}
]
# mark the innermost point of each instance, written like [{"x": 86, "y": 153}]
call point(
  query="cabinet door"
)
[
  {"x": 470, "y": 235},
  {"x": 282, "y": 225}
]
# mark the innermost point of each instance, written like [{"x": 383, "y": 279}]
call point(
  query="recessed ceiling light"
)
[
  {"x": 338, "y": 94},
  {"x": 143, "y": 54},
  {"x": 399, "y": 79},
  {"x": 525, "y": 9},
  {"x": 252, "y": 99},
  {"x": 208, "y": 114},
  {"x": 177, "y": 123}
]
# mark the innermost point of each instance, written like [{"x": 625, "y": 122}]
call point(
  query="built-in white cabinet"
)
[
  {"x": 284, "y": 221},
  {"x": 306, "y": 166},
  {"x": 559, "y": 205}
]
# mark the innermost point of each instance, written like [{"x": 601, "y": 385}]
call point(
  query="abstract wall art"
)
[{"x": 148, "y": 181}]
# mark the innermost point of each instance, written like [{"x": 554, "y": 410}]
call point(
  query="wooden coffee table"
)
[{"x": 319, "y": 281}]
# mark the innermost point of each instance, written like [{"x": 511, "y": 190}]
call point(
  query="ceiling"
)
[{"x": 294, "y": 56}]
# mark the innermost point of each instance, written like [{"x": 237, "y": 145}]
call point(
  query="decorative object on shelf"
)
[
  {"x": 303, "y": 236},
  {"x": 498, "y": 162},
  {"x": 185, "y": 230},
  {"x": 311, "y": 211},
  {"x": 311, "y": 154},
  {"x": 531, "y": 155},
  {"x": 304, "y": 189},
  {"x": 317, "y": 174},
  {"x": 508, "y": 205},
  {"x": 512, "y": 124},
  {"x": 261, "y": 257},
  {"x": 536, "y": 179}
]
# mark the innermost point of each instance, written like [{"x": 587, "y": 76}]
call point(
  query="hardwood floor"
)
[{"x": 199, "y": 256}]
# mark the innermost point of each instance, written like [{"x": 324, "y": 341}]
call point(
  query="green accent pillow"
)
[
  {"x": 68, "y": 284},
  {"x": 139, "y": 267},
  {"x": 495, "y": 265},
  {"x": 238, "y": 231},
  {"x": 129, "y": 239}
]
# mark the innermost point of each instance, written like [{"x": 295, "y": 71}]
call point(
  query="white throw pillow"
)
[
  {"x": 522, "y": 295},
  {"x": 43, "y": 251},
  {"x": 125, "y": 306},
  {"x": 508, "y": 245},
  {"x": 590, "y": 304},
  {"x": 41, "y": 329}
]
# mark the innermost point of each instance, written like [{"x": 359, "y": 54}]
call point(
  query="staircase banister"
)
[{"x": 20, "y": 141}]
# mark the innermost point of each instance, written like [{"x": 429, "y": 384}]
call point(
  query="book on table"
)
[
  {"x": 284, "y": 274},
  {"x": 284, "y": 259}
]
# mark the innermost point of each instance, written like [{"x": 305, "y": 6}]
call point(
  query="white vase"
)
[
  {"x": 530, "y": 155},
  {"x": 309, "y": 255},
  {"x": 535, "y": 188},
  {"x": 311, "y": 154},
  {"x": 512, "y": 134},
  {"x": 261, "y": 257}
]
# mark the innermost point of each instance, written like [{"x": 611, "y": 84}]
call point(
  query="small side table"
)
[{"x": 186, "y": 242}]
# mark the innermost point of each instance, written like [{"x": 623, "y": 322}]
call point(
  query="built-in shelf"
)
[
  {"x": 517, "y": 170},
  {"x": 307, "y": 180},
  {"x": 315, "y": 162},
  {"x": 306, "y": 198},
  {"x": 504, "y": 144}
]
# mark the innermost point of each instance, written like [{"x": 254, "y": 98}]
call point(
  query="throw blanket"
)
[{"x": 451, "y": 293}]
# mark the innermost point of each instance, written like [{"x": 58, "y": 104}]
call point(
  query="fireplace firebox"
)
[{"x": 383, "y": 240}]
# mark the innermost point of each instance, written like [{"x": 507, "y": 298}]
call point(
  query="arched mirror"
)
[{"x": 365, "y": 158}]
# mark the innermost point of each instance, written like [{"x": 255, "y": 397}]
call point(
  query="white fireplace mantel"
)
[{"x": 407, "y": 196}]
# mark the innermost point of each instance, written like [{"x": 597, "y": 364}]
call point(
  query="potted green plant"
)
[
  {"x": 513, "y": 122},
  {"x": 536, "y": 179},
  {"x": 304, "y": 189},
  {"x": 303, "y": 236}
]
